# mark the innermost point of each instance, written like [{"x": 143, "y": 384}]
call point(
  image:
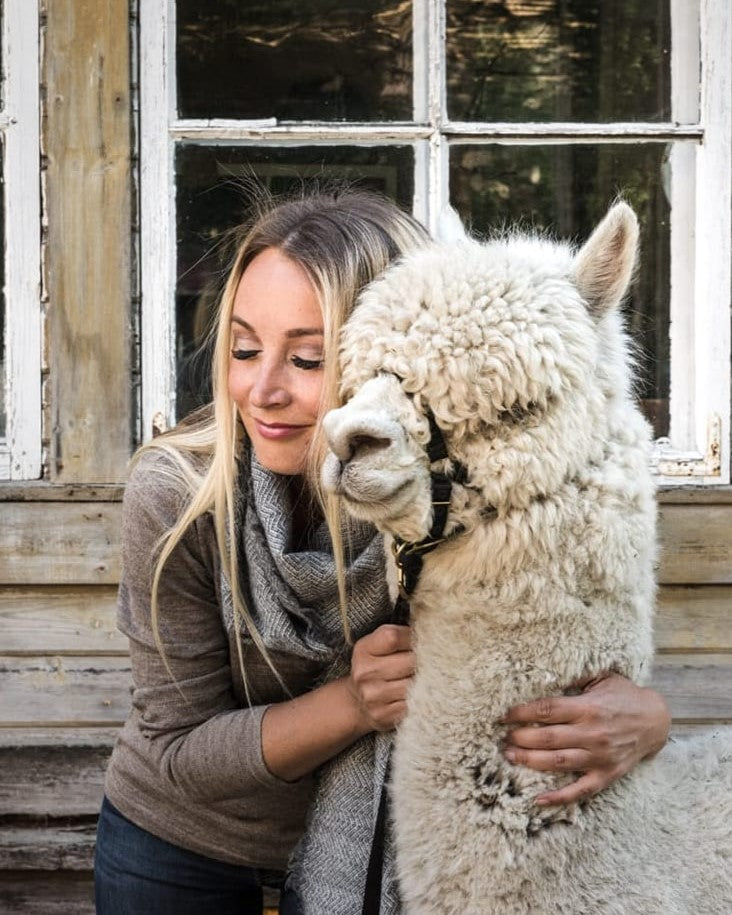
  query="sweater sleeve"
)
[{"x": 206, "y": 746}]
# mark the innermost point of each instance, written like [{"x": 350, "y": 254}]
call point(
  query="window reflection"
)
[
  {"x": 216, "y": 185},
  {"x": 558, "y": 60},
  {"x": 566, "y": 190},
  {"x": 292, "y": 60}
]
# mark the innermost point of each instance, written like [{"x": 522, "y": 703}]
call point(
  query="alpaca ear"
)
[
  {"x": 449, "y": 226},
  {"x": 604, "y": 265}
]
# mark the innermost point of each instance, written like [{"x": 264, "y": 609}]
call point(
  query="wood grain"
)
[
  {"x": 60, "y": 543},
  {"x": 64, "y": 691},
  {"x": 694, "y": 617},
  {"x": 86, "y": 68},
  {"x": 48, "y": 848},
  {"x": 696, "y": 544},
  {"x": 46, "y": 893},
  {"x": 697, "y": 687},
  {"x": 52, "y": 781},
  {"x": 60, "y": 619}
]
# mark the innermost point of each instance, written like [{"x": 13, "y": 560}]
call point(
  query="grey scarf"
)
[{"x": 292, "y": 594}]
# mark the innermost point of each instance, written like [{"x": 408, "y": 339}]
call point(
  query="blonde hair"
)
[{"x": 343, "y": 239}]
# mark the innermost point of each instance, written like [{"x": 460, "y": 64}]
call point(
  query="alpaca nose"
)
[{"x": 356, "y": 437}]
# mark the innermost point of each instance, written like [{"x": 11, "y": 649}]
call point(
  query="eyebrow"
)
[{"x": 290, "y": 334}]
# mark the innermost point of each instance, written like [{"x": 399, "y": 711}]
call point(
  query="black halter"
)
[
  {"x": 408, "y": 558},
  {"x": 407, "y": 554}
]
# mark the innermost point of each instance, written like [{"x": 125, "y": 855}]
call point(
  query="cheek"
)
[
  {"x": 311, "y": 394},
  {"x": 236, "y": 383}
]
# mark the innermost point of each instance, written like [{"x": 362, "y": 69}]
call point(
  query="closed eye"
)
[
  {"x": 307, "y": 364},
  {"x": 244, "y": 353}
]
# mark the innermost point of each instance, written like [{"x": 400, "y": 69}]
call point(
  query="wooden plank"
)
[
  {"x": 86, "y": 69},
  {"x": 689, "y": 617},
  {"x": 60, "y": 543},
  {"x": 95, "y": 691},
  {"x": 47, "y": 893},
  {"x": 58, "y": 736},
  {"x": 60, "y": 619},
  {"x": 68, "y": 691},
  {"x": 696, "y": 544},
  {"x": 53, "y": 847},
  {"x": 59, "y": 492},
  {"x": 697, "y": 495},
  {"x": 697, "y": 687},
  {"x": 52, "y": 781}
]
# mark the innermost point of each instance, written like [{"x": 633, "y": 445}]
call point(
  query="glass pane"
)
[
  {"x": 567, "y": 190},
  {"x": 558, "y": 60},
  {"x": 214, "y": 191},
  {"x": 294, "y": 60}
]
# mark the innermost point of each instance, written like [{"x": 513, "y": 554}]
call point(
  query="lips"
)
[{"x": 277, "y": 430}]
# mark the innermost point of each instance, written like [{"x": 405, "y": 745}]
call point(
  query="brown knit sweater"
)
[{"x": 188, "y": 764}]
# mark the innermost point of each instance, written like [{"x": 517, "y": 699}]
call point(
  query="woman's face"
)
[{"x": 276, "y": 365}]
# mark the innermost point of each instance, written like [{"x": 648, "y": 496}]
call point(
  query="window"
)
[
  {"x": 540, "y": 111},
  {"x": 20, "y": 350}
]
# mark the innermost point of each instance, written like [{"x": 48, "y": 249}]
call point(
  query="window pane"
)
[
  {"x": 558, "y": 60},
  {"x": 567, "y": 190},
  {"x": 214, "y": 191},
  {"x": 295, "y": 60}
]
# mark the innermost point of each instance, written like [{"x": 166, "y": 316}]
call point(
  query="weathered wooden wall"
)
[
  {"x": 86, "y": 142},
  {"x": 63, "y": 670},
  {"x": 65, "y": 673}
]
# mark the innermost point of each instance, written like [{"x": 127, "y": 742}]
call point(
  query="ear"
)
[
  {"x": 604, "y": 265},
  {"x": 449, "y": 226}
]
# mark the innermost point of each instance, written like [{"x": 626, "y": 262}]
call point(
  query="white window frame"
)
[
  {"x": 20, "y": 449},
  {"x": 702, "y": 199}
]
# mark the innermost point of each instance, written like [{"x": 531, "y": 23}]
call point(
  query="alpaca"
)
[{"x": 518, "y": 349}]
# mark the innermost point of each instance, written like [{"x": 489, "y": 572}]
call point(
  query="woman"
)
[{"x": 244, "y": 684}]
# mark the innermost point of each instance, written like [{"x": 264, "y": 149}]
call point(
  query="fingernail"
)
[
  {"x": 510, "y": 754},
  {"x": 542, "y": 801}
]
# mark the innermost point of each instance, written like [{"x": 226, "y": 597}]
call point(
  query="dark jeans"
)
[{"x": 136, "y": 873}]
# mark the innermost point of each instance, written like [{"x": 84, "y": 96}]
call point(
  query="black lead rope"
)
[{"x": 408, "y": 558}]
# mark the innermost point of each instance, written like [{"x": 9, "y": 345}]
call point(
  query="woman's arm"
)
[
  {"x": 603, "y": 733},
  {"x": 202, "y": 742},
  {"x": 299, "y": 735}
]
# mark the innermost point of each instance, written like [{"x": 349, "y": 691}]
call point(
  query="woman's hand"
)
[
  {"x": 382, "y": 666},
  {"x": 603, "y": 733}
]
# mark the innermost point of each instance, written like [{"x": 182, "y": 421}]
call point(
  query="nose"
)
[
  {"x": 269, "y": 389},
  {"x": 354, "y": 437}
]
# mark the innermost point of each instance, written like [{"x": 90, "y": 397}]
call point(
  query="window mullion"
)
[
  {"x": 543, "y": 132},
  {"x": 157, "y": 216},
  {"x": 682, "y": 192},
  {"x": 438, "y": 168},
  {"x": 714, "y": 229},
  {"x": 22, "y": 241}
]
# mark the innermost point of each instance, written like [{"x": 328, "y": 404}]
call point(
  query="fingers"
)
[
  {"x": 385, "y": 640},
  {"x": 385, "y": 654},
  {"x": 587, "y": 786},
  {"x": 382, "y": 667},
  {"x": 554, "y": 737},
  {"x": 550, "y": 710},
  {"x": 569, "y": 760}
]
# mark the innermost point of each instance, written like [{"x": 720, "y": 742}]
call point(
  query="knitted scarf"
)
[{"x": 293, "y": 597}]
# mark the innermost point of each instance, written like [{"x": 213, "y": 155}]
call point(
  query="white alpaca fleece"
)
[{"x": 517, "y": 347}]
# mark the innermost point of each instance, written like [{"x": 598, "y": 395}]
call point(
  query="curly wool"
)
[{"x": 517, "y": 347}]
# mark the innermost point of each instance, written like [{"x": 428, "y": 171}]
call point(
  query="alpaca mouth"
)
[{"x": 365, "y": 499}]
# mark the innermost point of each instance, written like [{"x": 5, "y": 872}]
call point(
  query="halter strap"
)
[
  {"x": 408, "y": 558},
  {"x": 408, "y": 554}
]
